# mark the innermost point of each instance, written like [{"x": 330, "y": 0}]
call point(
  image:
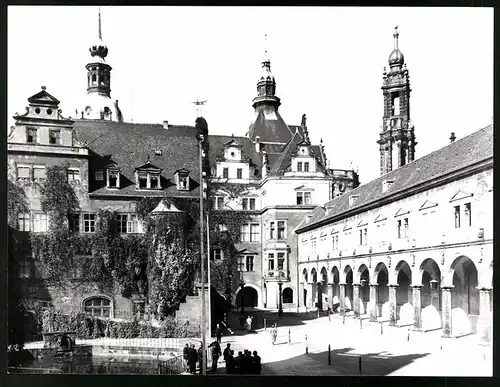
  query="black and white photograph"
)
[{"x": 228, "y": 191}]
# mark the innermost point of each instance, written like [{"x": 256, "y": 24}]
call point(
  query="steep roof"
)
[
  {"x": 129, "y": 144},
  {"x": 467, "y": 151},
  {"x": 270, "y": 127}
]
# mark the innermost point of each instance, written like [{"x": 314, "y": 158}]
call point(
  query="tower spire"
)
[
  {"x": 100, "y": 33},
  {"x": 396, "y": 36}
]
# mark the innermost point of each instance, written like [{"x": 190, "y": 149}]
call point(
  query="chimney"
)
[
  {"x": 257, "y": 143},
  {"x": 452, "y": 137},
  {"x": 165, "y": 125}
]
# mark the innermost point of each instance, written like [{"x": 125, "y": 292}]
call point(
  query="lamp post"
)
[
  {"x": 280, "y": 286},
  {"x": 202, "y": 259},
  {"x": 242, "y": 286}
]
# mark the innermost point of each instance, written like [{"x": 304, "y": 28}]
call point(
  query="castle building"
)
[
  {"x": 413, "y": 247},
  {"x": 113, "y": 164}
]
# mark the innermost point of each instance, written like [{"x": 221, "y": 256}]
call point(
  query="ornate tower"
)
[
  {"x": 266, "y": 86},
  {"x": 397, "y": 137},
  {"x": 98, "y": 102}
]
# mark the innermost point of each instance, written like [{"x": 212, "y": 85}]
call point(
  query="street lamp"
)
[
  {"x": 242, "y": 286},
  {"x": 202, "y": 259}
]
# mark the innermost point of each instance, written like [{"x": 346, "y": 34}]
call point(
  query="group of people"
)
[
  {"x": 245, "y": 363},
  {"x": 191, "y": 357}
]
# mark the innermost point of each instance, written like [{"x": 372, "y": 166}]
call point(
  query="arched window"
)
[
  {"x": 287, "y": 296},
  {"x": 98, "y": 306},
  {"x": 94, "y": 79}
]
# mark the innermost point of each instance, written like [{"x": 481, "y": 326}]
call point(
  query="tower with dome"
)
[{"x": 397, "y": 136}]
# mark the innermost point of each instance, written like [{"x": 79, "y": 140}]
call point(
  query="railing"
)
[
  {"x": 277, "y": 275},
  {"x": 34, "y": 370},
  {"x": 173, "y": 366}
]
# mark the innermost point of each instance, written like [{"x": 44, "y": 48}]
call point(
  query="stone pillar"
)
[
  {"x": 310, "y": 296},
  {"x": 484, "y": 321},
  {"x": 393, "y": 318},
  {"x": 264, "y": 297},
  {"x": 342, "y": 298},
  {"x": 330, "y": 295},
  {"x": 446, "y": 298},
  {"x": 355, "y": 301},
  {"x": 373, "y": 302},
  {"x": 319, "y": 292},
  {"x": 417, "y": 308},
  {"x": 300, "y": 300}
]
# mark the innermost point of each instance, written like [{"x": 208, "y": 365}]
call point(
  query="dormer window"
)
[
  {"x": 182, "y": 179},
  {"x": 306, "y": 167},
  {"x": 148, "y": 176},
  {"x": 55, "y": 137},
  {"x": 299, "y": 166},
  {"x": 31, "y": 136},
  {"x": 113, "y": 178}
]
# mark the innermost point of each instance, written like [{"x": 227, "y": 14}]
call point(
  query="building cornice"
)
[
  {"x": 51, "y": 150},
  {"x": 404, "y": 193}
]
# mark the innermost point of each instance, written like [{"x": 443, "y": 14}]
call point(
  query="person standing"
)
[
  {"x": 238, "y": 360},
  {"x": 216, "y": 352},
  {"x": 218, "y": 333},
  {"x": 185, "y": 352},
  {"x": 201, "y": 357},
  {"x": 249, "y": 324},
  {"x": 257, "y": 363},
  {"x": 230, "y": 363},
  {"x": 192, "y": 359},
  {"x": 227, "y": 352},
  {"x": 274, "y": 333}
]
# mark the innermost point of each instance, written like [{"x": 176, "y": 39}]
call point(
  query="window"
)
[
  {"x": 366, "y": 236},
  {"x": 31, "y": 136},
  {"x": 272, "y": 230},
  {"x": 217, "y": 254},
  {"x": 23, "y": 173},
  {"x": 24, "y": 222},
  {"x": 244, "y": 233},
  {"x": 363, "y": 234},
  {"x": 122, "y": 223},
  {"x": 24, "y": 269},
  {"x": 244, "y": 204},
  {"x": 337, "y": 241},
  {"x": 306, "y": 167},
  {"x": 183, "y": 184},
  {"x": 40, "y": 222},
  {"x": 241, "y": 263},
  {"x": 248, "y": 204},
  {"x": 143, "y": 180},
  {"x": 468, "y": 218},
  {"x": 313, "y": 247},
  {"x": 98, "y": 306},
  {"x": 39, "y": 173},
  {"x": 113, "y": 177},
  {"x": 399, "y": 229},
  {"x": 139, "y": 309},
  {"x": 254, "y": 232},
  {"x": 287, "y": 296},
  {"x": 299, "y": 166},
  {"x": 249, "y": 262},
  {"x": 361, "y": 237},
  {"x": 281, "y": 261},
  {"x": 132, "y": 224},
  {"x": 73, "y": 175},
  {"x": 270, "y": 259},
  {"x": 406, "y": 233},
  {"x": 219, "y": 202},
  {"x": 154, "y": 180},
  {"x": 99, "y": 175},
  {"x": 239, "y": 173},
  {"x": 88, "y": 222},
  {"x": 55, "y": 137},
  {"x": 303, "y": 198},
  {"x": 74, "y": 222},
  {"x": 457, "y": 216},
  {"x": 281, "y": 229},
  {"x": 252, "y": 204},
  {"x": 33, "y": 289},
  {"x": 225, "y": 173}
]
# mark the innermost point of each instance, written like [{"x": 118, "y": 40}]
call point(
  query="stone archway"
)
[
  {"x": 404, "y": 293},
  {"x": 322, "y": 283},
  {"x": 348, "y": 291},
  {"x": 379, "y": 291},
  {"x": 314, "y": 287},
  {"x": 364, "y": 289},
  {"x": 427, "y": 296},
  {"x": 305, "y": 278},
  {"x": 250, "y": 297},
  {"x": 464, "y": 296}
]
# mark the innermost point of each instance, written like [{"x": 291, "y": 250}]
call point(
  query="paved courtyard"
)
[{"x": 388, "y": 353}]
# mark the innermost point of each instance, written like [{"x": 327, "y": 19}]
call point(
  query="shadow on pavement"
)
[{"x": 342, "y": 363}]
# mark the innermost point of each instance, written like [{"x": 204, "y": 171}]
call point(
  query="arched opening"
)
[
  {"x": 305, "y": 277},
  {"x": 404, "y": 290},
  {"x": 335, "y": 281},
  {"x": 464, "y": 296},
  {"x": 348, "y": 288},
  {"x": 98, "y": 306},
  {"x": 364, "y": 290},
  {"x": 322, "y": 293},
  {"x": 430, "y": 293},
  {"x": 250, "y": 297},
  {"x": 287, "y": 296},
  {"x": 381, "y": 277}
]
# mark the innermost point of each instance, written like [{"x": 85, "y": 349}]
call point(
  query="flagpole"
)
[{"x": 203, "y": 327}]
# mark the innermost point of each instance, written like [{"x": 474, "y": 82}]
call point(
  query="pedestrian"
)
[
  {"x": 218, "y": 333},
  {"x": 249, "y": 324},
  {"x": 216, "y": 352},
  {"x": 185, "y": 352},
  {"x": 227, "y": 351},
  {"x": 274, "y": 333},
  {"x": 230, "y": 363},
  {"x": 192, "y": 359},
  {"x": 201, "y": 357},
  {"x": 257, "y": 362},
  {"x": 238, "y": 362}
]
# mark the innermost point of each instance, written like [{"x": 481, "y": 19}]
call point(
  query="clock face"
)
[{"x": 88, "y": 110}]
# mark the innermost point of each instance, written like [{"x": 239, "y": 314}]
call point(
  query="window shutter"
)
[
  {"x": 39, "y": 173},
  {"x": 23, "y": 172}
]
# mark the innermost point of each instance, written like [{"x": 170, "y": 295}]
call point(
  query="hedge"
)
[{"x": 89, "y": 327}]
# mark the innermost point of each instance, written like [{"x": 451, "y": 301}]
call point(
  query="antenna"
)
[{"x": 199, "y": 106}]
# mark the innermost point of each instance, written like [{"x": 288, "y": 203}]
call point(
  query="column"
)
[
  {"x": 355, "y": 301},
  {"x": 265, "y": 295},
  {"x": 319, "y": 292},
  {"x": 342, "y": 298},
  {"x": 417, "y": 308},
  {"x": 300, "y": 299},
  {"x": 393, "y": 318},
  {"x": 330, "y": 295},
  {"x": 310, "y": 296},
  {"x": 446, "y": 299},
  {"x": 484, "y": 320},
  {"x": 373, "y": 302}
]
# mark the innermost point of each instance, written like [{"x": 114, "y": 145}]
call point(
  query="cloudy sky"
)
[{"x": 328, "y": 63}]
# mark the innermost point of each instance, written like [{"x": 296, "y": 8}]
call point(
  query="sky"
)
[{"x": 327, "y": 61}]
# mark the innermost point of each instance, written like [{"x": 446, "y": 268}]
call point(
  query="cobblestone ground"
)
[{"x": 383, "y": 351}]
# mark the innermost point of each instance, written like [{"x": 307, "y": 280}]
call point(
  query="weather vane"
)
[{"x": 199, "y": 106}]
